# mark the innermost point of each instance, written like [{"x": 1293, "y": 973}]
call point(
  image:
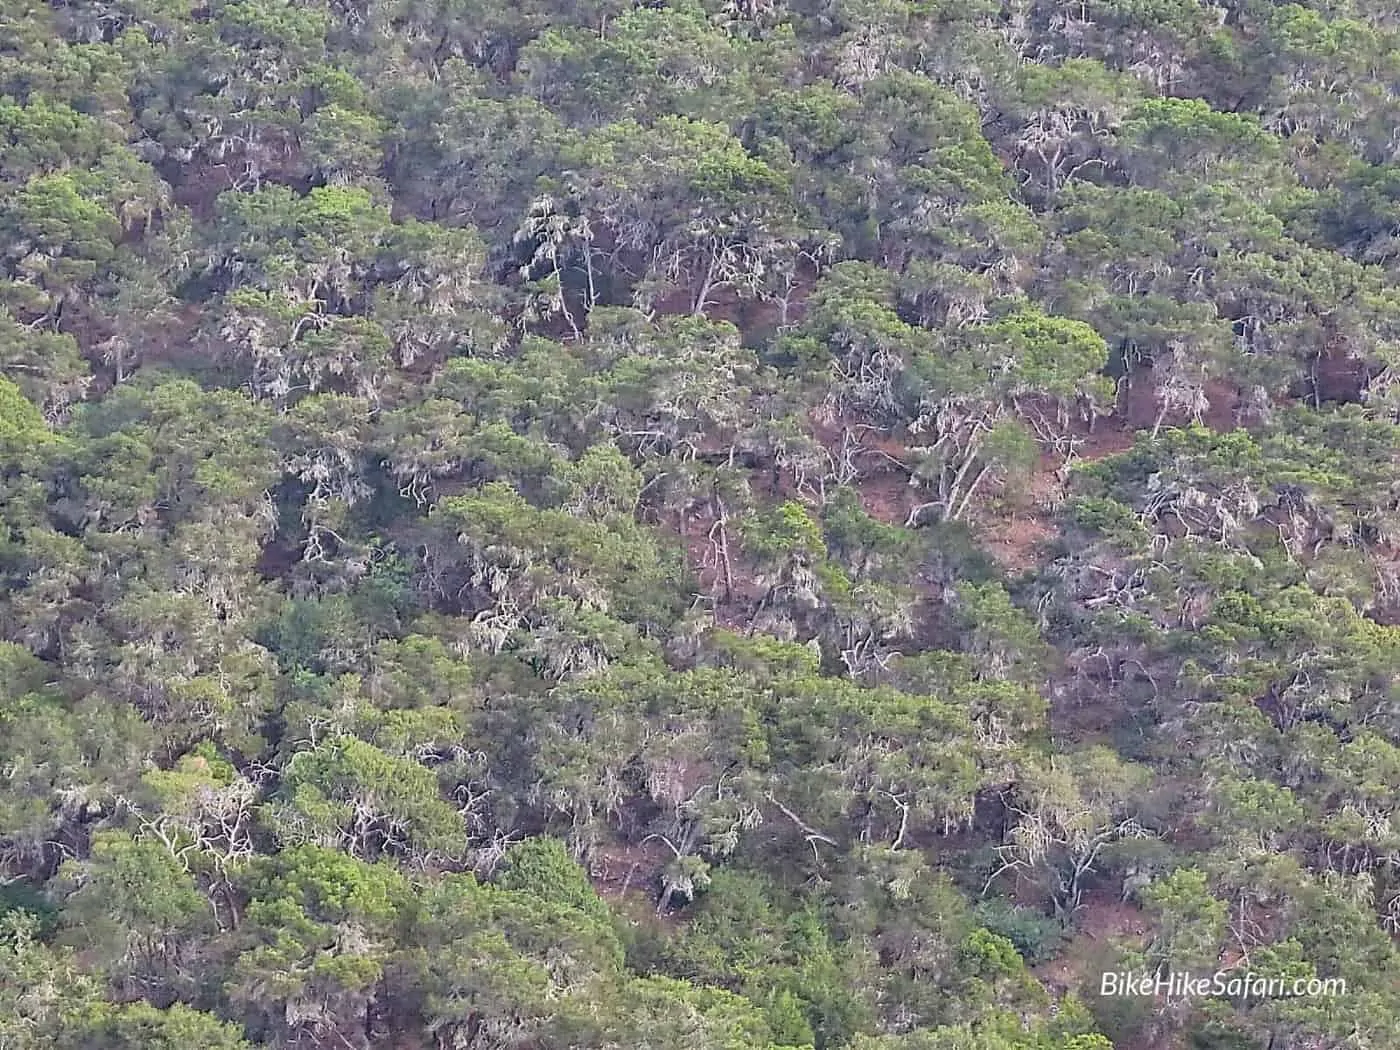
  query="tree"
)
[
  {"x": 1028, "y": 357},
  {"x": 1191, "y": 921},
  {"x": 1064, "y": 813},
  {"x": 685, "y": 208},
  {"x": 22, "y": 429},
  {"x": 649, "y": 62},
  {"x": 343, "y": 792},
  {"x": 44, "y": 994},
  {"x": 314, "y": 942},
  {"x": 143, "y": 1027},
  {"x": 135, "y": 904}
]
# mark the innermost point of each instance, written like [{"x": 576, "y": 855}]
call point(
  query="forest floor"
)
[{"x": 1104, "y": 920}]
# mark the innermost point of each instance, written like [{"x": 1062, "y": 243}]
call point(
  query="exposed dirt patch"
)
[
  {"x": 197, "y": 183},
  {"x": 198, "y": 186},
  {"x": 1139, "y": 407},
  {"x": 1016, "y": 542},
  {"x": 1102, "y": 921},
  {"x": 619, "y": 870},
  {"x": 1016, "y": 525},
  {"x": 756, "y": 317},
  {"x": 1017, "y": 537},
  {"x": 1110, "y": 436},
  {"x": 1137, "y": 399},
  {"x": 1104, "y": 918},
  {"x": 1224, "y": 411},
  {"x": 1337, "y": 376},
  {"x": 277, "y": 560},
  {"x": 1386, "y": 610},
  {"x": 726, "y": 586},
  {"x": 701, "y": 552},
  {"x": 886, "y": 498},
  {"x": 174, "y": 340},
  {"x": 1078, "y": 720},
  {"x": 856, "y": 444}
]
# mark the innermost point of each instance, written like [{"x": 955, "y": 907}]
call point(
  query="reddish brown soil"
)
[
  {"x": 753, "y": 317},
  {"x": 1137, "y": 403},
  {"x": 700, "y": 552},
  {"x": 886, "y": 498},
  {"x": 1102, "y": 919},
  {"x": 1017, "y": 536},
  {"x": 1340, "y": 377},
  {"x": 198, "y": 189},
  {"x": 1223, "y": 413},
  {"x": 1016, "y": 542},
  {"x": 621, "y": 871},
  {"x": 1137, "y": 399},
  {"x": 730, "y": 609},
  {"x": 1110, "y": 436}
]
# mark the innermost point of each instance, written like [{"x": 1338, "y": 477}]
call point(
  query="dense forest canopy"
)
[{"x": 715, "y": 524}]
